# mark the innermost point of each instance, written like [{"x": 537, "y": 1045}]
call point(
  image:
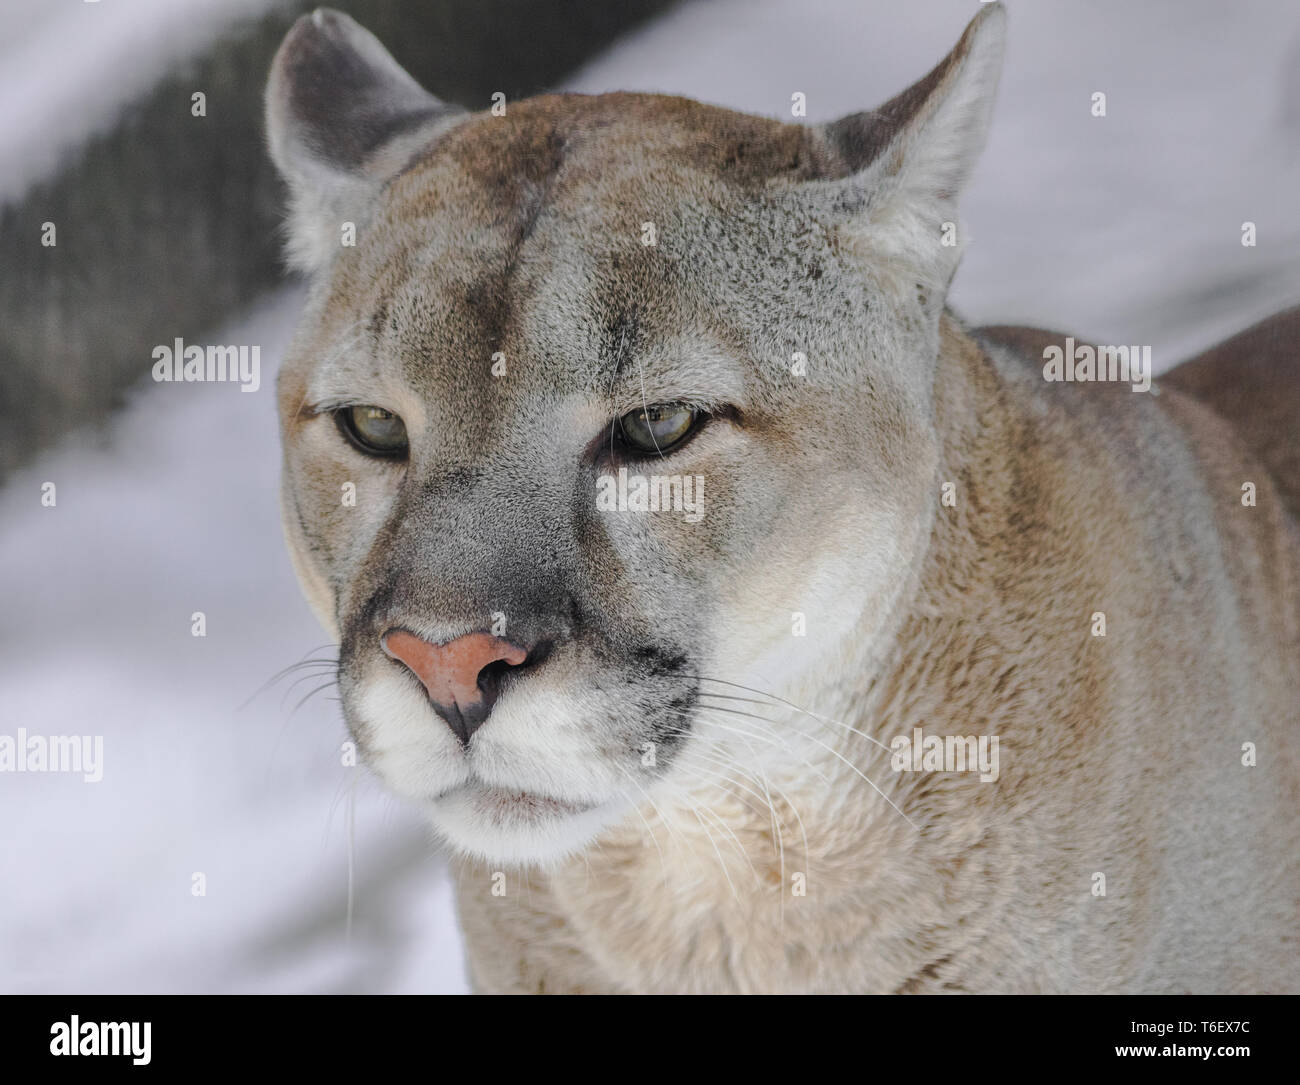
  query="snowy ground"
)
[{"x": 1125, "y": 229}]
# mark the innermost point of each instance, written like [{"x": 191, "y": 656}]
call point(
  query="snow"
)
[{"x": 1124, "y": 228}]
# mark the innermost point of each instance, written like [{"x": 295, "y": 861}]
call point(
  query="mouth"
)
[
  {"x": 510, "y": 825},
  {"x": 500, "y": 804}
]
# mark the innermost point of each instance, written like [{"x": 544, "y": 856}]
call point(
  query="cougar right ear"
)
[{"x": 342, "y": 116}]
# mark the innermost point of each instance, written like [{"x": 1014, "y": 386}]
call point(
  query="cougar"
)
[{"x": 742, "y": 620}]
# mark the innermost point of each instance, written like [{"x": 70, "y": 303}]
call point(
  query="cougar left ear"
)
[
  {"x": 907, "y": 161},
  {"x": 342, "y": 116}
]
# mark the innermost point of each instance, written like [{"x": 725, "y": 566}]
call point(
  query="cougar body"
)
[{"x": 692, "y": 773}]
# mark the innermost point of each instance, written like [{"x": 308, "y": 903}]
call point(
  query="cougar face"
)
[{"x": 607, "y": 397}]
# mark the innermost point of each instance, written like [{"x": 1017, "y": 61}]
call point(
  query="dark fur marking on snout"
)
[
  {"x": 658, "y": 661},
  {"x": 669, "y": 719},
  {"x": 669, "y": 726}
]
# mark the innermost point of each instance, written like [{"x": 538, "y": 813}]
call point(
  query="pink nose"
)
[{"x": 459, "y": 676}]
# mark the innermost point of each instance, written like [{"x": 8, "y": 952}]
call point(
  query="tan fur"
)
[
  {"x": 1252, "y": 380},
  {"x": 1123, "y": 751},
  {"x": 772, "y": 847}
]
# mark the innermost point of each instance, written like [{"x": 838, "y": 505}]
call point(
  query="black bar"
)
[{"x": 872, "y": 1035}]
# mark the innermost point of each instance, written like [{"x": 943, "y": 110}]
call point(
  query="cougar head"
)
[{"x": 602, "y": 412}]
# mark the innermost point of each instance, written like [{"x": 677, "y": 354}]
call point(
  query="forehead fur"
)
[
  {"x": 523, "y": 234},
  {"x": 541, "y": 137}
]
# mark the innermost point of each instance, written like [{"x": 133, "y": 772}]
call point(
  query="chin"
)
[{"x": 517, "y": 828}]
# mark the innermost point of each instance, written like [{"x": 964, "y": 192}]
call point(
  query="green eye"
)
[
  {"x": 657, "y": 429},
  {"x": 373, "y": 430}
]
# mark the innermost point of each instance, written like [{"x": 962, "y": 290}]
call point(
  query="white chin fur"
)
[{"x": 516, "y": 835}]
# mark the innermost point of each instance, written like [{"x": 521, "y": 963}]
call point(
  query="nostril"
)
[
  {"x": 489, "y": 678},
  {"x": 492, "y": 676}
]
